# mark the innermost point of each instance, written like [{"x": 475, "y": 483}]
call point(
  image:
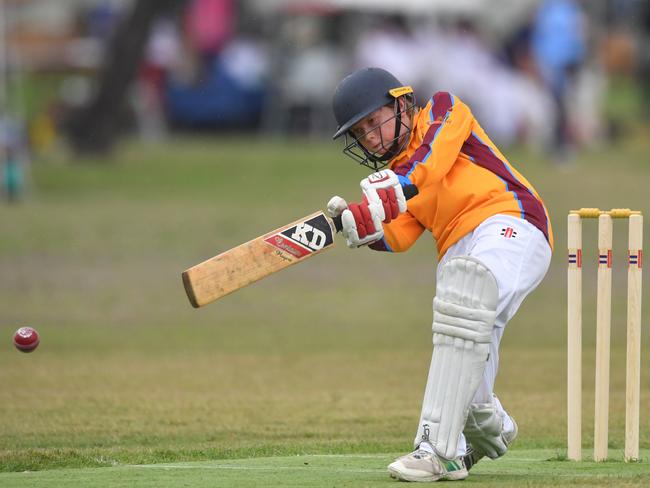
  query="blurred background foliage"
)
[{"x": 554, "y": 76}]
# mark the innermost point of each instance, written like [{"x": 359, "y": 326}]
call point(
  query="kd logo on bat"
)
[
  {"x": 303, "y": 238},
  {"x": 317, "y": 240}
]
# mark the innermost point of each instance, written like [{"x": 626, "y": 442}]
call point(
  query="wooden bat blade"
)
[{"x": 258, "y": 258}]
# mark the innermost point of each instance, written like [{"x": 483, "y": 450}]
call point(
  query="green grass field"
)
[{"x": 312, "y": 377}]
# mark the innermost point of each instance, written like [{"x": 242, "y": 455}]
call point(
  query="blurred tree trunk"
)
[{"x": 92, "y": 130}]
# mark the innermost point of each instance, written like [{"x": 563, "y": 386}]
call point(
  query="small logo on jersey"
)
[
  {"x": 303, "y": 238},
  {"x": 508, "y": 232}
]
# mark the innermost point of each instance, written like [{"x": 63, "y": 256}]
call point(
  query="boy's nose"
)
[{"x": 372, "y": 136}]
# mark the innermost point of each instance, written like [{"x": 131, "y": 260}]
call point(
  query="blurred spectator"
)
[
  {"x": 517, "y": 50},
  {"x": 101, "y": 19},
  {"x": 162, "y": 55},
  {"x": 558, "y": 42},
  {"x": 385, "y": 45},
  {"x": 228, "y": 86},
  {"x": 13, "y": 157},
  {"x": 210, "y": 24},
  {"x": 535, "y": 102},
  {"x": 508, "y": 103},
  {"x": 229, "y": 95},
  {"x": 309, "y": 75}
]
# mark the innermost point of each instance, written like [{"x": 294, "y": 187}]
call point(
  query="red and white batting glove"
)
[
  {"x": 384, "y": 190},
  {"x": 360, "y": 222}
]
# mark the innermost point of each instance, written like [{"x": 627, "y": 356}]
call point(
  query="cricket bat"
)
[{"x": 249, "y": 262}]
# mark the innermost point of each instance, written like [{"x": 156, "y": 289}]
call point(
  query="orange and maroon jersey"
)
[{"x": 462, "y": 180}]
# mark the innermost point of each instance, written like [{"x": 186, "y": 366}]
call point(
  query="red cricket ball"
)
[{"x": 26, "y": 339}]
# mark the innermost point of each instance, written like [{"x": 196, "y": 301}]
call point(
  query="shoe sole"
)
[{"x": 452, "y": 476}]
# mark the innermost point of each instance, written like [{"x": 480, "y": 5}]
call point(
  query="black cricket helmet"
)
[{"x": 357, "y": 96}]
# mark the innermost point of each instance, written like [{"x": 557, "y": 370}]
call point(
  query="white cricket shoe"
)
[{"x": 421, "y": 465}]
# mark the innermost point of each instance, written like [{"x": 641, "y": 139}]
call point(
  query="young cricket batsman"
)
[{"x": 494, "y": 243}]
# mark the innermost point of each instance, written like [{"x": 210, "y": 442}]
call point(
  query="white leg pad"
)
[
  {"x": 484, "y": 430},
  {"x": 464, "y": 314}
]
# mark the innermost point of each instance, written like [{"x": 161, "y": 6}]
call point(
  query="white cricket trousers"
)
[{"x": 518, "y": 255}]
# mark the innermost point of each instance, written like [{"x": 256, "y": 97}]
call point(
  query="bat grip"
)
[{"x": 409, "y": 192}]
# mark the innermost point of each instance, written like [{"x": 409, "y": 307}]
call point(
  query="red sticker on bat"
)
[{"x": 287, "y": 245}]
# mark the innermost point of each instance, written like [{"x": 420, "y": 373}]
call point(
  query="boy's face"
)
[{"x": 376, "y": 132}]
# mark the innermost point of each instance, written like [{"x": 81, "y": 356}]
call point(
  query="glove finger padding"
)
[
  {"x": 362, "y": 219},
  {"x": 383, "y": 180},
  {"x": 389, "y": 202},
  {"x": 361, "y": 224}
]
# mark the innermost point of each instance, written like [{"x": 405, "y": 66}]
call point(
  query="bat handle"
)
[{"x": 409, "y": 192}]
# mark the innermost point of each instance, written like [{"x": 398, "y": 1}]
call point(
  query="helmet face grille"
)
[
  {"x": 389, "y": 148},
  {"x": 356, "y": 151}
]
